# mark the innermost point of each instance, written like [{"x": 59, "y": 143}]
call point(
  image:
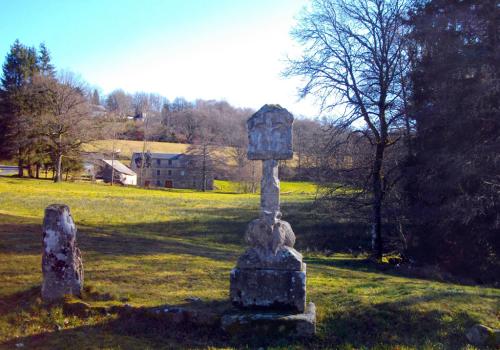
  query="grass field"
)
[
  {"x": 127, "y": 147},
  {"x": 154, "y": 247}
]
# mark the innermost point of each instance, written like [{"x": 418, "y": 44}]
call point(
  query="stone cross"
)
[
  {"x": 62, "y": 265},
  {"x": 269, "y": 273},
  {"x": 270, "y": 140},
  {"x": 270, "y": 276}
]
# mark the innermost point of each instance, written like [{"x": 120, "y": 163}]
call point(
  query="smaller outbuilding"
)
[{"x": 122, "y": 174}]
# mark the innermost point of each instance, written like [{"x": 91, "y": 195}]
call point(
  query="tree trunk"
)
[
  {"x": 113, "y": 161},
  {"x": 58, "y": 174},
  {"x": 254, "y": 185},
  {"x": 377, "y": 244},
  {"x": 204, "y": 169},
  {"x": 409, "y": 144},
  {"x": 37, "y": 171},
  {"x": 299, "y": 155},
  {"x": 20, "y": 170}
]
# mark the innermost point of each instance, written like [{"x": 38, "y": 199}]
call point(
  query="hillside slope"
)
[{"x": 128, "y": 147}]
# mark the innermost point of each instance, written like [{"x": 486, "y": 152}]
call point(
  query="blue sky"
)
[{"x": 211, "y": 49}]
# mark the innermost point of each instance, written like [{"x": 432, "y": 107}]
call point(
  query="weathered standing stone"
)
[
  {"x": 270, "y": 275},
  {"x": 62, "y": 265}
]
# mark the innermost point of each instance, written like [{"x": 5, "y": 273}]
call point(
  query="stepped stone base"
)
[
  {"x": 272, "y": 323},
  {"x": 268, "y": 288}
]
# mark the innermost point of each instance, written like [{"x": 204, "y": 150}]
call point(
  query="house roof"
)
[
  {"x": 160, "y": 155},
  {"x": 97, "y": 110},
  {"x": 119, "y": 166}
]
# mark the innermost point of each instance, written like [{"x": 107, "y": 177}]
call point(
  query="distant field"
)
[
  {"x": 128, "y": 147},
  {"x": 287, "y": 187},
  {"x": 151, "y": 247}
]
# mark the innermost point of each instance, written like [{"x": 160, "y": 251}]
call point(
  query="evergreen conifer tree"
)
[
  {"x": 44, "y": 62},
  {"x": 456, "y": 100},
  {"x": 20, "y": 105}
]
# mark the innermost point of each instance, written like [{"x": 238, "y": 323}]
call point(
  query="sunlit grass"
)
[{"x": 155, "y": 247}]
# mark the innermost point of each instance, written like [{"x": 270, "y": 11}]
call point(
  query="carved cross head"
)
[{"x": 270, "y": 134}]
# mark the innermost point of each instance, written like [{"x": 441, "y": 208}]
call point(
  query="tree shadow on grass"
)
[
  {"x": 364, "y": 265},
  {"x": 193, "y": 324},
  {"x": 211, "y": 237},
  {"x": 213, "y": 225},
  {"x": 19, "y": 235},
  {"x": 319, "y": 231},
  {"x": 215, "y": 235},
  {"x": 362, "y": 326},
  {"x": 427, "y": 273},
  {"x": 396, "y": 324},
  {"x": 209, "y": 232},
  {"x": 20, "y": 301}
]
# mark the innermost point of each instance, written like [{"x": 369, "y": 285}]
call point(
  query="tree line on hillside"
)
[
  {"x": 413, "y": 89},
  {"x": 206, "y": 126},
  {"x": 44, "y": 119},
  {"x": 46, "y": 116}
]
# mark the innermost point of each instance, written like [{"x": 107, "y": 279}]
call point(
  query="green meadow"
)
[{"x": 146, "y": 248}]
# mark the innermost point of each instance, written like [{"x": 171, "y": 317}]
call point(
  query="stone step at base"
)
[{"x": 271, "y": 323}]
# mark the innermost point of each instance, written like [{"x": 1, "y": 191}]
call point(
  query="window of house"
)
[
  {"x": 158, "y": 183},
  {"x": 157, "y": 172},
  {"x": 158, "y": 162},
  {"x": 170, "y": 162},
  {"x": 182, "y": 173},
  {"x": 170, "y": 172}
]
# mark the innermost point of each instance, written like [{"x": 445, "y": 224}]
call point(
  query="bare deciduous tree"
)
[
  {"x": 352, "y": 61},
  {"x": 66, "y": 122},
  {"x": 112, "y": 126},
  {"x": 120, "y": 103},
  {"x": 242, "y": 170},
  {"x": 206, "y": 155}
]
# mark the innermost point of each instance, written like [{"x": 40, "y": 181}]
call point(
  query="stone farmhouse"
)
[{"x": 171, "y": 170}]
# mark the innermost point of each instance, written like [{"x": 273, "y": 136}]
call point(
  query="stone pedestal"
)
[
  {"x": 62, "y": 265},
  {"x": 279, "y": 283},
  {"x": 280, "y": 289}
]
